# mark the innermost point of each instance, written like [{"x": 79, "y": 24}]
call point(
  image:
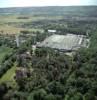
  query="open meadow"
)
[{"x": 10, "y": 24}]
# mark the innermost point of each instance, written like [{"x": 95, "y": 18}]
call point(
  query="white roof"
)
[
  {"x": 53, "y": 31},
  {"x": 65, "y": 42}
]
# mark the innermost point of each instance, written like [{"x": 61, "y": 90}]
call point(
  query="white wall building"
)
[{"x": 52, "y": 31}]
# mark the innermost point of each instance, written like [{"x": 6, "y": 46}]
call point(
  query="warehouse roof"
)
[{"x": 63, "y": 42}]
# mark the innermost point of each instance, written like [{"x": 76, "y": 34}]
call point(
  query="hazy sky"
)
[{"x": 21, "y": 3}]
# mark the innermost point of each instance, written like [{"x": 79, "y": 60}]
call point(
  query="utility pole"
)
[
  {"x": 35, "y": 39},
  {"x": 87, "y": 33},
  {"x": 17, "y": 41},
  {"x": 48, "y": 55}
]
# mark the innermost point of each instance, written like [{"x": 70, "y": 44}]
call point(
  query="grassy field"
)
[
  {"x": 9, "y": 75},
  {"x": 31, "y": 18},
  {"x": 4, "y": 51},
  {"x": 9, "y": 29},
  {"x": 12, "y": 29}
]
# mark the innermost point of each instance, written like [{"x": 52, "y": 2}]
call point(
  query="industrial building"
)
[{"x": 67, "y": 43}]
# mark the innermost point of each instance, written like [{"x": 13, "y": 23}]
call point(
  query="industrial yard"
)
[{"x": 68, "y": 42}]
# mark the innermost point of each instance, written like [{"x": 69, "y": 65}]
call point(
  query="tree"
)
[
  {"x": 3, "y": 90},
  {"x": 50, "y": 97},
  {"x": 37, "y": 95}
]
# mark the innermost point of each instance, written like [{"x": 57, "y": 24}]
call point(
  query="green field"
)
[
  {"x": 14, "y": 28},
  {"x": 4, "y": 51},
  {"x": 31, "y": 18},
  {"x": 9, "y": 75}
]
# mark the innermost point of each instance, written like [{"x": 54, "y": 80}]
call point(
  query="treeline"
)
[
  {"x": 62, "y": 30},
  {"x": 52, "y": 11}
]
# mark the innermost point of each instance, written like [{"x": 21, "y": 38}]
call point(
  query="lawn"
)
[
  {"x": 9, "y": 75},
  {"x": 4, "y": 51}
]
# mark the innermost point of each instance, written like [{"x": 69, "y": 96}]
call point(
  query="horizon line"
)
[{"x": 49, "y": 6}]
